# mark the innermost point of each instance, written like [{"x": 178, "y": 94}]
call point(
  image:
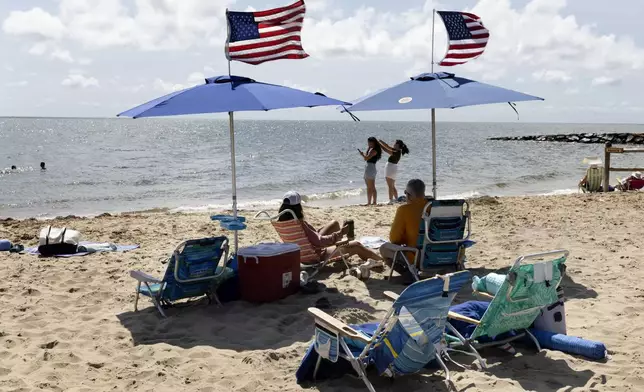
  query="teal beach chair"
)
[
  {"x": 526, "y": 290},
  {"x": 409, "y": 337},
  {"x": 442, "y": 238},
  {"x": 193, "y": 271}
]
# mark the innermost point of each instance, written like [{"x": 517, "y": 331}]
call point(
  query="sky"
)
[{"x": 96, "y": 58}]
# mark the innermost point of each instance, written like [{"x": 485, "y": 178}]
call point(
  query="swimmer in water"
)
[
  {"x": 13, "y": 167},
  {"x": 42, "y": 166}
]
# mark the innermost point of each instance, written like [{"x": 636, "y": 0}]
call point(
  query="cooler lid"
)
[{"x": 268, "y": 249}]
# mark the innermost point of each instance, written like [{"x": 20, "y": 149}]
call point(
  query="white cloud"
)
[
  {"x": 149, "y": 25},
  {"x": 168, "y": 87},
  {"x": 21, "y": 83},
  {"x": 78, "y": 80},
  {"x": 193, "y": 79},
  {"x": 552, "y": 76},
  {"x": 85, "y": 61},
  {"x": 62, "y": 55},
  {"x": 571, "y": 91},
  {"x": 310, "y": 89},
  {"x": 605, "y": 81},
  {"x": 35, "y": 22}
]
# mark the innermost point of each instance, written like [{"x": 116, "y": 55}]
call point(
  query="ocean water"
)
[{"x": 116, "y": 165}]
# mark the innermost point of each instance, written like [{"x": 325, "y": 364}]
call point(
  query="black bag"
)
[{"x": 54, "y": 241}]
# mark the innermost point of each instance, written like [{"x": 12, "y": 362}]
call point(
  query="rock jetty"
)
[{"x": 614, "y": 138}]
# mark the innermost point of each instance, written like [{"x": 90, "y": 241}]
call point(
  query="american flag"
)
[
  {"x": 256, "y": 37},
  {"x": 467, "y": 37}
]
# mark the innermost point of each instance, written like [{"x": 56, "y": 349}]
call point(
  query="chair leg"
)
[
  {"x": 136, "y": 298},
  {"x": 357, "y": 365},
  {"x": 157, "y": 304},
  {"x": 534, "y": 340},
  {"x": 467, "y": 345},
  {"x": 448, "y": 379},
  {"x": 317, "y": 367},
  {"x": 214, "y": 295}
]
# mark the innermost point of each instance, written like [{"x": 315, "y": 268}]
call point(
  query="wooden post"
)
[{"x": 606, "y": 167}]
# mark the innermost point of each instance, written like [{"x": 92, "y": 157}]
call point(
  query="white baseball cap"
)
[{"x": 292, "y": 198}]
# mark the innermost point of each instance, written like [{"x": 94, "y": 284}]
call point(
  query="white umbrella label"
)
[{"x": 405, "y": 100}]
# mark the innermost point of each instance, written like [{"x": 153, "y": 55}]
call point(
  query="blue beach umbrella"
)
[
  {"x": 229, "y": 94},
  {"x": 438, "y": 91}
]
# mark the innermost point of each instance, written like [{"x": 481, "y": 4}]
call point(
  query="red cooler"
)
[{"x": 268, "y": 272}]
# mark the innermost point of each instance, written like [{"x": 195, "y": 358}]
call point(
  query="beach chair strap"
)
[
  {"x": 445, "y": 285},
  {"x": 543, "y": 272}
]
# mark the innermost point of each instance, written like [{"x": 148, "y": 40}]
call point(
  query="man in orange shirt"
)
[{"x": 406, "y": 224}]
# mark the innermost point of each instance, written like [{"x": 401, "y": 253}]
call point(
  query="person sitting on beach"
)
[
  {"x": 328, "y": 235},
  {"x": 406, "y": 224},
  {"x": 633, "y": 182}
]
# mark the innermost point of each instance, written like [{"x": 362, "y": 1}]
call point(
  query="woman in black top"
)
[
  {"x": 374, "y": 152},
  {"x": 391, "y": 167}
]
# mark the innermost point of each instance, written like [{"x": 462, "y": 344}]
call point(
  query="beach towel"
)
[
  {"x": 372, "y": 242},
  {"x": 87, "y": 246}
]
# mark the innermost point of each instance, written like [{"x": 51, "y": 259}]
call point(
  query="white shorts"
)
[{"x": 391, "y": 170}]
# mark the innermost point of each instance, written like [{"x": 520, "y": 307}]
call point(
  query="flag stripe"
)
[
  {"x": 289, "y": 26},
  {"x": 467, "y": 46},
  {"x": 258, "y": 52},
  {"x": 259, "y": 14},
  {"x": 292, "y": 54},
  {"x": 467, "y": 37},
  {"x": 279, "y": 17},
  {"x": 289, "y": 38}
]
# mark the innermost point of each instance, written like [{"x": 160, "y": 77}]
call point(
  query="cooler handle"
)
[{"x": 253, "y": 257}]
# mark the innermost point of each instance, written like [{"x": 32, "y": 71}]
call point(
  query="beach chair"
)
[
  {"x": 408, "y": 338},
  {"x": 526, "y": 290},
  {"x": 443, "y": 235},
  {"x": 193, "y": 271},
  {"x": 594, "y": 177},
  {"x": 292, "y": 232}
]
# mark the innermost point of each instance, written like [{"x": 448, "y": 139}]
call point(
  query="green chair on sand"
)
[
  {"x": 193, "y": 271},
  {"x": 526, "y": 290}
]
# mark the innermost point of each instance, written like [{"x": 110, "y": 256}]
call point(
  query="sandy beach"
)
[{"x": 69, "y": 325}]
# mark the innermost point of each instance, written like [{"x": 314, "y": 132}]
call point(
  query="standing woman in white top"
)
[{"x": 391, "y": 167}]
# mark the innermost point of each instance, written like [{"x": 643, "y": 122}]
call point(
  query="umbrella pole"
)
[
  {"x": 433, "y": 118},
  {"x": 231, "y": 127},
  {"x": 434, "y": 153}
]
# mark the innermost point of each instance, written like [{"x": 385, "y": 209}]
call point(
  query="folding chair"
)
[
  {"x": 527, "y": 289},
  {"x": 292, "y": 231},
  {"x": 404, "y": 342},
  {"x": 443, "y": 236},
  {"x": 193, "y": 271}
]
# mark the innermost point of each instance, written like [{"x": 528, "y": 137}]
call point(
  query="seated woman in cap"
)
[{"x": 328, "y": 235}]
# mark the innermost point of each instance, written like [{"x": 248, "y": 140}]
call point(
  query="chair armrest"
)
[
  {"x": 482, "y": 294},
  {"x": 265, "y": 217},
  {"x": 400, "y": 248},
  {"x": 391, "y": 295},
  {"x": 342, "y": 243},
  {"x": 336, "y": 325},
  {"x": 460, "y": 317},
  {"x": 143, "y": 277}
]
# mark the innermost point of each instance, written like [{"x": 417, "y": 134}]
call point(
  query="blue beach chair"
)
[
  {"x": 193, "y": 271},
  {"x": 410, "y": 336},
  {"x": 442, "y": 238}
]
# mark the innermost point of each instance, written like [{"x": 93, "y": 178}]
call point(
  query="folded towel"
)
[{"x": 372, "y": 242}]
